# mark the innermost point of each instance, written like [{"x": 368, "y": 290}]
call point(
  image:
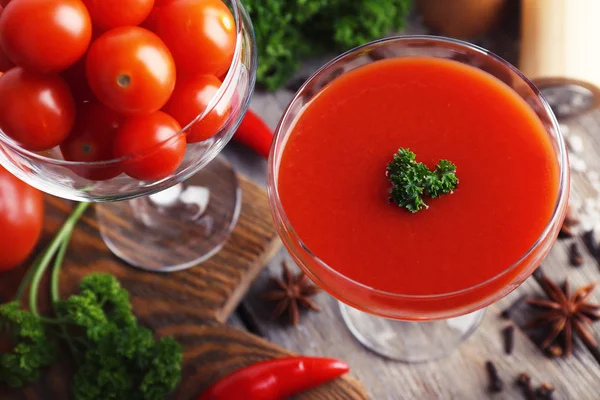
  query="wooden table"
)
[{"x": 462, "y": 375}]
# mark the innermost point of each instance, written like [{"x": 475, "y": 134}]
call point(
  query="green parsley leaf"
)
[
  {"x": 32, "y": 349},
  {"x": 411, "y": 180}
]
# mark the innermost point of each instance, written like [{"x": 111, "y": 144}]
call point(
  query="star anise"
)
[
  {"x": 571, "y": 220},
  {"x": 565, "y": 313},
  {"x": 291, "y": 293}
]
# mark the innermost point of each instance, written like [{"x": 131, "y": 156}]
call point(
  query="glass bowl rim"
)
[
  {"x": 229, "y": 80},
  {"x": 281, "y": 219}
]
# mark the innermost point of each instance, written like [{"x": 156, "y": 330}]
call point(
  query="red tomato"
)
[
  {"x": 45, "y": 35},
  {"x": 4, "y": 3},
  {"x": 190, "y": 98},
  {"x": 5, "y": 62},
  {"x": 77, "y": 81},
  {"x": 150, "y": 21},
  {"x": 21, "y": 219},
  {"x": 92, "y": 139},
  {"x": 107, "y": 14},
  {"x": 130, "y": 70},
  {"x": 36, "y": 111},
  {"x": 153, "y": 144},
  {"x": 201, "y": 35}
]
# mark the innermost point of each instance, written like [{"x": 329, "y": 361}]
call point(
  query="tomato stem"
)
[
  {"x": 46, "y": 256},
  {"x": 55, "y": 292},
  {"x": 124, "y": 80},
  {"x": 27, "y": 278},
  {"x": 55, "y": 277}
]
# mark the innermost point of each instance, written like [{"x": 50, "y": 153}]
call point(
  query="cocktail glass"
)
[
  {"x": 173, "y": 223},
  {"x": 415, "y": 328}
]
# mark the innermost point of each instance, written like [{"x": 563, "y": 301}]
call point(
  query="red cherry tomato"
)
[
  {"x": 77, "y": 81},
  {"x": 150, "y": 22},
  {"x": 92, "y": 139},
  {"x": 201, "y": 35},
  {"x": 107, "y": 14},
  {"x": 130, "y": 70},
  {"x": 5, "y": 62},
  {"x": 21, "y": 219},
  {"x": 153, "y": 144},
  {"x": 45, "y": 35},
  {"x": 4, "y": 3},
  {"x": 36, "y": 111},
  {"x": 190, "y": 98}
]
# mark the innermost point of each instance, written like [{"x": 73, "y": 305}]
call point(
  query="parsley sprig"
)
[
  {"x": 116, "y": 357},
  {"x": 412, "y": 180}
]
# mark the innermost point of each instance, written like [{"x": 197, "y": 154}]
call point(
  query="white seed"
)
[{"x": 564, "y": 129}]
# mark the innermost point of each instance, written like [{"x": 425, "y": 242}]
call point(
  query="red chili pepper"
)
[
  {"x": 254, "y": 133},
  {"x": 276, "y": 379}
]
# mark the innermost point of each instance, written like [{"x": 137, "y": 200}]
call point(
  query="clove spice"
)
[
  {"x": 496, "y": 384},
  {"x": 524, "y": 382},
  {"x": 507, "y": 312},
  {"x": 591, "y": 243},
  {"x": 545, "y": 391},
  {"x": 566, "y": 230},
  {"x": 554, "y": 351},
  {"x": 575, "y": 256},
  {"x": 509, "y": 339}
]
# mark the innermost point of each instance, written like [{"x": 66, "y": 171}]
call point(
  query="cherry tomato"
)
[
  {"x": 153, "y": 144},
  {"x": 150, "y": 22},
  {"x": 77, "y": 81},
  {"x": 5, "y": 62},
  {"x": 92, "y": 139},
  {"x": 190, "y": 98},
  {"x": 21, "y": 219},
  {"x": 4, "y": 3},
  {"x": 36, "y": 111},
  {"x": 45, "y": 35},
  {"x": 130, "y": 70},
  {"x": 107, "y": 14},
  {"x": 201, "y": 35}
]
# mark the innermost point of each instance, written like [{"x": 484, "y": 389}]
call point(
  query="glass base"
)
[
  {"x": 410, "y": 342},
  {"x": 177, "y": 228}
]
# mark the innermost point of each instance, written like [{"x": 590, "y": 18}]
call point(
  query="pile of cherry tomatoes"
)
[{"x": 108, "y": 79}]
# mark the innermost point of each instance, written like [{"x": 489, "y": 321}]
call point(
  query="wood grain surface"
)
[{"x": 189, "y": 305}]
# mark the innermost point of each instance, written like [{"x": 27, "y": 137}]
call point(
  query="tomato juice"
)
[{"x": 334, "y": 191}]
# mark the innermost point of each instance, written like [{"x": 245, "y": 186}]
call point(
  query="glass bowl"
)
[
  {"x": 150, "y": 232},
  {"x": 378, "y": 318}
]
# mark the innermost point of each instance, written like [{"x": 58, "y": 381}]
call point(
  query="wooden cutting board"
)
[{"x": 191, "y": 305}]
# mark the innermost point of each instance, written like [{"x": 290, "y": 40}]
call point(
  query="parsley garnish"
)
[{"x": 412, "y": 180}]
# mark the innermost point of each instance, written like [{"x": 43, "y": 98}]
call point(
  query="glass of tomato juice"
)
[
  {"x": 148, "y": 97},
  {"x": 413, "y": 286}
]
